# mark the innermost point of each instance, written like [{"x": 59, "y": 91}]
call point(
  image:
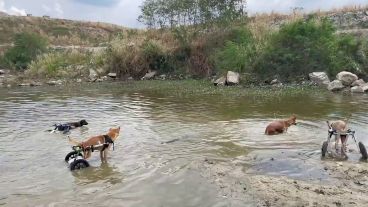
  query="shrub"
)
[
  {"x": 238, "y": 53},
  {"x": 306, "y": 46},
  {"x": 27, "y": 46},
  {"x": 59, "y": 64}
]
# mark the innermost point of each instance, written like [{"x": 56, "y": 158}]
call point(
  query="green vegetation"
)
[{"x": 26, "y": 48}]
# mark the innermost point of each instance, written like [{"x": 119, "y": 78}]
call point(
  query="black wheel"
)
[
  {"x": 79, "y": 164},
  {"x": 324, "y": 148},
  {"x": 72, "y": 155},
  {"x": 363, "y": 150}
]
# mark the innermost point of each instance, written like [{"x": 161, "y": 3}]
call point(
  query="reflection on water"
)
[{"x": 142, "y": 171}]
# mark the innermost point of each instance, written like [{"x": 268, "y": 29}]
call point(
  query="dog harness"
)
[
  {"x": 63, "y": 127},
  {"x": 108, "y": 141}
]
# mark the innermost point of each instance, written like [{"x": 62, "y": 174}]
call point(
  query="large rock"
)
[
  {"x": 320, "y": 78},
  {"x": 112, "y": 75},
  {"x": 365, "y": 87},
  {"x": 359, "y": 82},
  {"x": 149, "y": 75},
  {"x": 346, "y": 78},
  {"x": 2, "y": 72},
  {"x": 357, "y": 89},
  {"x": 220, "y": 82},
  {"x": 92, "y": 75},
  {"x": 232, "y": 78},
  {"x": 335, "y": 85}
]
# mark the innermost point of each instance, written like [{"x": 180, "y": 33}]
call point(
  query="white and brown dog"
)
[{"x": 340, "y": 127}]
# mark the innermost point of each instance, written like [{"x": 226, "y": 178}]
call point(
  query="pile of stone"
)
[
  {"x": 232, "y": 78},
  {"x": 345, "y": 81}
]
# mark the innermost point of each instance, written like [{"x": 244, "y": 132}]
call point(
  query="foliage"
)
[
  {"x": 26, "y": 48},
  {"x": 306, "y": 46},
  {"x": 59, "y": 64},
  {"x": 239, "y": 52},
  {"x": 172, "y": 13}
]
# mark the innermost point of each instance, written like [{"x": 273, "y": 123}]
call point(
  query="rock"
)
[
  {"x": 99, "y": 80},
  {"x": 357, "y": 89},
  {"x": 163, "y": 77},
  {"x": 319, "y": 78},
  {"x": 33, "y": 84},
  {"x": 53, "y": 83},
  {"x": 149, "y": 75},
  {"x": 232, "y": 78},
  {"x": 130, "y": 78},
  {"x": 112, "y": 75},
  {"x": 92, "y": 75},
  {"x": 365, "y": 87},
  {"x": 220, "y": 82},
  {"x": 274, "y": 81},
  {"x": 359, "y": 82},
  {"x": 2, "y": 72},
  {"x": 346, "y": 78},
  {"x": 335, "y": 85},
  {"x": 24, "y": 84},
  {"x": 79, "y": 80}
]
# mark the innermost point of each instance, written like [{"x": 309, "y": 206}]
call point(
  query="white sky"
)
[{"x": 125, "y": 12}]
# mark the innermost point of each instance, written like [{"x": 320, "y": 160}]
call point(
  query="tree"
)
[
  {"x": 26, "y": 48},
  {"x": 173, "y": 13}
]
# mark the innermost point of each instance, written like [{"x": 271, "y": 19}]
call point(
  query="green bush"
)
[
  {"x": 27, "y": 46},
  {"x": 238, "y": 53},
  {"x": 306, "y": 46}
]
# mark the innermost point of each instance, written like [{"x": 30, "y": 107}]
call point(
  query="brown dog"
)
[
  {"x": 280, "y": 126},
  {"x": 341, "y": 128},
  {"x": 101, "y": 141}
]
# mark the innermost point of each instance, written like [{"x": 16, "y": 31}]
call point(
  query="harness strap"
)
[{"x": 108, "y": 141}]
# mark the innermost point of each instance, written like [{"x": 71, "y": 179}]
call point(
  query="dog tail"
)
[{"x": 73, "y": 141}]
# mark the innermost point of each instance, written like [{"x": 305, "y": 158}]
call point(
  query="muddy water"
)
[{"x": 144, "y": 170}]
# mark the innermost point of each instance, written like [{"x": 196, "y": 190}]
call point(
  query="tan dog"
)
[
  {"x": 341, "y": 128},
  {"x": 280, "y": 126},
  {"x": 88, "y": 145}
]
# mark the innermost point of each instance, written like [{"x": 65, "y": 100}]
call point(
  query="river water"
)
[{"x": 144, "y": 170}]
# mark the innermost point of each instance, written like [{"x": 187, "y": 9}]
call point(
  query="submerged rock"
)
[
  {"x": 335, "y": 85},
  {"x": 346, "y": 78},
  {"x": 319, "y": 78}
]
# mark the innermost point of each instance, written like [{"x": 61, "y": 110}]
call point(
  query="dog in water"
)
[
  {"x": 98, "y": 143},
  {"x": 65, "y": 128},
  {"x": 280, "y": 126},
  {"x": 341, "y": 128}
]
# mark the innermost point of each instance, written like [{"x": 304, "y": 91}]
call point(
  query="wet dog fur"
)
[
  {"x": 113, "y": 133},
  {"x": 280, "y": 126}
]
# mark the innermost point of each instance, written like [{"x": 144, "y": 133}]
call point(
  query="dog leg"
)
[
  {"x": 102, "y": 156},
  {"x": 337, "y": 138},
  {"x": 343, "y": 145}
]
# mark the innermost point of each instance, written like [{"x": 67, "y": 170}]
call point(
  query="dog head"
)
[
  {"x": 83, "y": 122},
  {"x": 114, "y": 133},
  {"x": 292, "y": 120}
]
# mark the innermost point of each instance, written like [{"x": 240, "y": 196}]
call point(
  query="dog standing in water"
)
[
  {"x": 341, "y": 128},
  {"x": 280, "y": 126},
  {"x": 88, "y": 144}
]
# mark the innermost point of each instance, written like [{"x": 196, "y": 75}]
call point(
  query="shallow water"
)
[{"x": 144, "y": 170}]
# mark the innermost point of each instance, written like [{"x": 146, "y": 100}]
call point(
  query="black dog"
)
[{"x": 65, "y": 128}]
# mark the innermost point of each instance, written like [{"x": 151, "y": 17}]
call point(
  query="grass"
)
[{"x": 206, "y": 88}]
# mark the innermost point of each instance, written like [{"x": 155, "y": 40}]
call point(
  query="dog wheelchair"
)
[
  {"x": 351, "y": 133},
  {"x": 75, "y": 158}
]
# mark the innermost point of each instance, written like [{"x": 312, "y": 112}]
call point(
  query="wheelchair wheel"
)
[
  {"x": 363, "y": 150},
  {"x": 79, "y": 164},
  {"x": 72, "y": 155},
  {"x": 324, "y": 148}
]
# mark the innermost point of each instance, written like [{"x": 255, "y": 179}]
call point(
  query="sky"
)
[{"x": 126, "y": 12}]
